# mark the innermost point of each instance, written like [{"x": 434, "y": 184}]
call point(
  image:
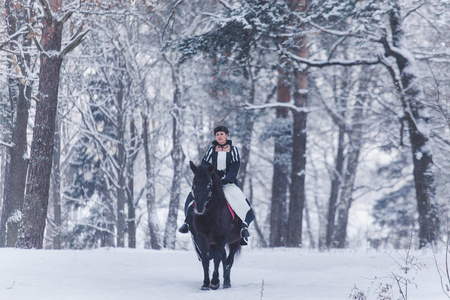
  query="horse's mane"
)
[{"x": 217, "y": 184}]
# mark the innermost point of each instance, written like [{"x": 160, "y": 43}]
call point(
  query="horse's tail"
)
[{"x": 236, "y": 247}]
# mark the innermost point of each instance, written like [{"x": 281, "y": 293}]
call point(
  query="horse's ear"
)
[{"x": 193, "y": 166}]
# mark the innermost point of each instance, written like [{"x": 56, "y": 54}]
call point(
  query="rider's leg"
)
[
  {"x": 240, "y": 206},
  {"x": 188, "y": 211}
]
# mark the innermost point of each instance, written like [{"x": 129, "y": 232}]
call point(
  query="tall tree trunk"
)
[
  {"x": 335, "y": 186},
  {"x": 31, "y": 233},
  {"x": 418, "y": 123},
  {"x": 150, "y": 190},
  {"x": 56, "y": 174},
  {"x": 14, "y": 189},
  {"x": 177, "y": 159},
  {"x": 16, "y": 168},
  {"x": 107, "y": 235},
  {"x": 297, "y": 188},
  {"x": 121, "y": 161},
  {"x": 308, "y": 226},
  {"x": 248, "y": 120},
  {"x": 2, "y": 171},
  {"x": 130, "y": 194},
  {"x": 341, "y": 99},
  {"x": 346, "y": 198},
  {"x": 280, "y": 182}
]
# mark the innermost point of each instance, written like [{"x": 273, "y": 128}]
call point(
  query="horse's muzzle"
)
[{"x": 199, "y": 212}]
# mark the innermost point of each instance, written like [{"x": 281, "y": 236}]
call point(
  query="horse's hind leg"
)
[
  {"x": 215, "y": 282},
  {"x": 228, "y": 263}
]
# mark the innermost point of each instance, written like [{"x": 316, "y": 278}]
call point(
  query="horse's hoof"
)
[
  {"x": 214, "y": 286},
  {"x": 226, "y": 285},
  {"x": 205, "y": 288}
]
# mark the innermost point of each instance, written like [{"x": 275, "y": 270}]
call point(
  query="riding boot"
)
[
  {"x": 187, "y": 225},
  {"x": 184, "y": 228},
  {"x": 244, "y": 242},
  {"x": 244, "y": 231}
]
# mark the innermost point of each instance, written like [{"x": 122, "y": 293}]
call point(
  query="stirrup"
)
[{"x": 184, "y": 228}]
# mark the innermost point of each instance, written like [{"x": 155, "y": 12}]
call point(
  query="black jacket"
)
[{"x": 232, "y": 162}]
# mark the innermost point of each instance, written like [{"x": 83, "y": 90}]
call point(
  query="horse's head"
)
[{"x": 202, "y": 186}]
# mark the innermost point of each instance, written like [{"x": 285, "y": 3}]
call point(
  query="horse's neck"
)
[{"x": 218, "y": 190}]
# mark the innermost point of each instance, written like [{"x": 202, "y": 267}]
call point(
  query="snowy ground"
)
[{"x": 122, "y": 274}]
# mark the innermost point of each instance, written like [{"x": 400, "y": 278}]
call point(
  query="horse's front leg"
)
[
  {"x": 215, "y": 282},
  {"x": 205, "y": 263}
]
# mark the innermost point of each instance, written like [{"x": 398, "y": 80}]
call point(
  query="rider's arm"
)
[{"x": 207, "y": 158}]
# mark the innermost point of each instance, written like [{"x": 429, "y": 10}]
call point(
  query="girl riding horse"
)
[{"x": 225, "y": 159}]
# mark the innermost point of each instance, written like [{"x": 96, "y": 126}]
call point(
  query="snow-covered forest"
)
[{"x": 340, "y": 111}]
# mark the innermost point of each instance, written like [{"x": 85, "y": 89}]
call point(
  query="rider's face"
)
[{"x": 221, "y": 137}]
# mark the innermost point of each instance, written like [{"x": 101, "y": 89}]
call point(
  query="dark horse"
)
[{"x": 214, "y": 226}]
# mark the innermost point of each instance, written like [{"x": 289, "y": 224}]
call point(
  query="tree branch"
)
[
  {"x": 226, "y": 5},
  {"x": 278, "y": 105},
  {"x": 170, "y": 17},
  {"x": 8, "y": 145},
  {"x": 47, "y": 10},
  {"x": 39, "y": 46},
  {"x": 76, "y": 39},
  {"x": 334, "y": 62},
  {"x": 66, "y": 17}
]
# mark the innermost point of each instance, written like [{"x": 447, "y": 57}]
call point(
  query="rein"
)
[
  {"x": 208, "y": 187},
  {"x": 210, "y": 184}
]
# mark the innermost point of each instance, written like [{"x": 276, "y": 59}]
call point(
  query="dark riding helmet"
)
[{"x": 220, "y": 128}]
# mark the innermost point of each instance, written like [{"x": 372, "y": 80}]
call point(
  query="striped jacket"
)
[{"x": 232, "y": 162}]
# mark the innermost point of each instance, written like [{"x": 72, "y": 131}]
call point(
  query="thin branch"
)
[
  {"x": 334, "y": 62},
  {"x": 170, "y": 17},
  {"x": 39, "y": 46},
  {"x": 47, "y": 10},
  {"x": 278, "y": 105},
  {"x": 12, "y": 37},
  {"x": 72, "y": 45},
  {"x": 98, "y": 228},
  {"x": 334, "y": 47},
  {"x": 66, "y": 17},
  {"x": 413, "y": 10},
  {"x": 330, "y": 31},
  {"x": 9, "y": 145},
  {"x": 226, "y": 5}
]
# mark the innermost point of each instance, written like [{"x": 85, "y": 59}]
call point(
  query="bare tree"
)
[
  {"x": 31, "y": 234},
  {"x": 177, "y": 159},
  {"x": 410, "y": 94},
  {"x": 299, "y": 133}
]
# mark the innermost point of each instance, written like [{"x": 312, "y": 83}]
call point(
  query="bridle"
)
[{"x": 208, "y": 187}]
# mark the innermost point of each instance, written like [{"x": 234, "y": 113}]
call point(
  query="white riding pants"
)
[{"x": 237, "y": 200}]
